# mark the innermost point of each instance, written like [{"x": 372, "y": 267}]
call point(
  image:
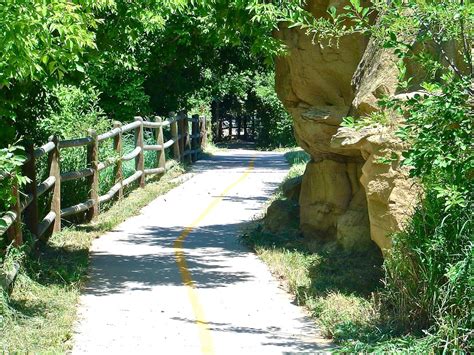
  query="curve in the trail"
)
[
  {"x": 176, "y": 280},
  {"x": 204, "y": 332}
]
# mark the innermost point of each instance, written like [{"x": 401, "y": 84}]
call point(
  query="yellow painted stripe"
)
[{"x": 204, "y": 332}]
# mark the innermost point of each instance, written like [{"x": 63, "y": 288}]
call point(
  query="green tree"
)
[{"x": 41, "y": 42}]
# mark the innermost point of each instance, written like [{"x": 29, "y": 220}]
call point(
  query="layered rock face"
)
[{"x": 354, "y": 189}]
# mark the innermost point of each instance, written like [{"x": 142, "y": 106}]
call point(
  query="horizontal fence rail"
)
[{"x": 185, "y": 147}]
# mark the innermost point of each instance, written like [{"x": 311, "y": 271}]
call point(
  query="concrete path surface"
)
[{"x": 176, "y": 279}]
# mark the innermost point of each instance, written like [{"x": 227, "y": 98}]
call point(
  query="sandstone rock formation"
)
[
  {"x": 354, "y": 189},
  {"x": 390, "y": 194}
]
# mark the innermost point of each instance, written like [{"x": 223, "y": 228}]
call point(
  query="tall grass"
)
[{"x": 429, "y": 275}]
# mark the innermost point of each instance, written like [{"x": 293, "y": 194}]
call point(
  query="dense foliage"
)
[
  {"x": 270, "y": 132},
  {"x": 143, "y": 57},
  {"x": 67, "y": 66},
  {"x": 429, "y": 274}
]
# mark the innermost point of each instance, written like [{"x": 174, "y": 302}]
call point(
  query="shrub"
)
[
  {"x": 122, "y": 92},
  {"x": 429, "y": 271},
  {"x": 73, "y": 110},
  {"x": 429, "y": 288}
]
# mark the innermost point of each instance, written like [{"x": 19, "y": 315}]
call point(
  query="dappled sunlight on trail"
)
[{"x": 176, "y": 278}]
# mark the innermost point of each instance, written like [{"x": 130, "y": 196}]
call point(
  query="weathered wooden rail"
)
[{"x": 185, "y": 146}]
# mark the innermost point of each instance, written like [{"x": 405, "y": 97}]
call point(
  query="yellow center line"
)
[{"x": 204, "y": 332}]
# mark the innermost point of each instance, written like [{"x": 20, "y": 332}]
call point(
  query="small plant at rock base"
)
[
  {"x": 338, "y": 312},
  {"x": 349, "y": 122}
]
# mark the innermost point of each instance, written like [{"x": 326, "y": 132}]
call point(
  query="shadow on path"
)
[{"x": 206, "y": 259}]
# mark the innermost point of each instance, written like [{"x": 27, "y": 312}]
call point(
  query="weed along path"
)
[{"x": 176, "y": 279}]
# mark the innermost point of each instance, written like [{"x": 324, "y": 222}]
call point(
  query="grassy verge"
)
[
  {"x": 337, "y": 287},
  {"x": 39, "y": 314},
  {"x": 340, "y": 289}
]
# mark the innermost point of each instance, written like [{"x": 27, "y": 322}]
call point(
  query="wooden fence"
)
[
  {"x": 185, "y": 147},
  {"x": 227, "y": 127}
]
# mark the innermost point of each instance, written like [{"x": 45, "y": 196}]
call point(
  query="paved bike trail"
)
[{"x": 176, "y": 280}]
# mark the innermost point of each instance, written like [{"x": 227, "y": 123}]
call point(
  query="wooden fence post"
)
[
  {"x": 245, "y": 127},
  {"x": 140, "y": 159},
  {"x": 187, "y": 140},
  {"x": 219, "y": 123},
  {"x": 239, "y": 126},
  {"x": 93, "y": 163},
  {"x": 14, "y": 232},
  {"x": 181, "y": 132},
  {"x": 195, "y": 137},
  {"x": 253, "y": 125},
  {"x": 55, "y": 170},
  {"x": 174, "y": 136},
  {"x": 160, "y": 154},
  {"x": 203, "y": 133},
  {"x": 118, "y": 173},
  {"x": 29, "y": 170}
]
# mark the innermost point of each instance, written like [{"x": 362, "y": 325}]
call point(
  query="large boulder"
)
[
  {"x": 354, "y": 188},
  {"x": 282, "y": 217}
]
